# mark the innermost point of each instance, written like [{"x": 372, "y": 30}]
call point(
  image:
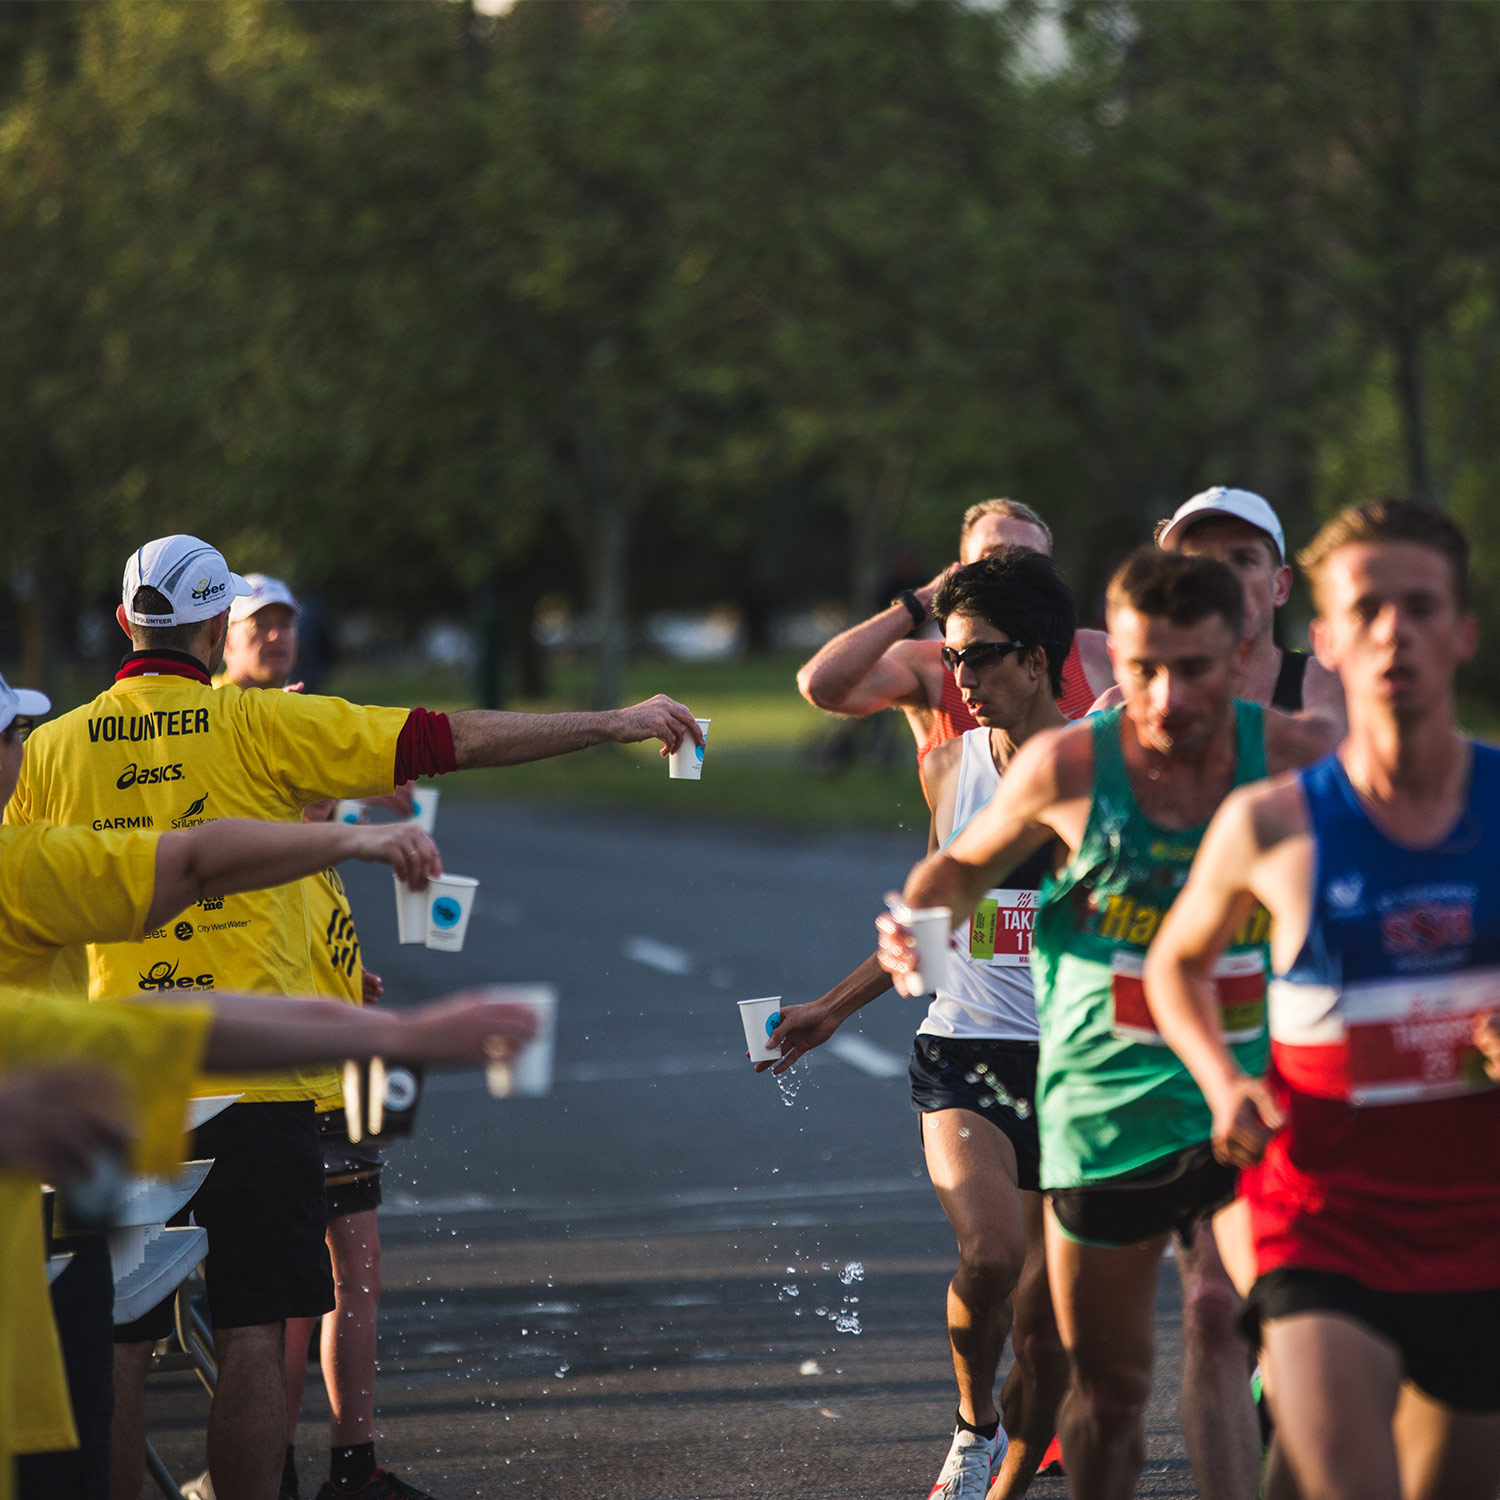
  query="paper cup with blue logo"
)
[
  {"x": 761, "y": 1018},
  {"x": 349, "y": 812},
  {"x": 424, "y": 803},
  {"x": 411, "y": 914},
  {"x": 528, "y": 1076},
  {"x": 450, "y": 899},
  {"x": 686, "y": 762}
]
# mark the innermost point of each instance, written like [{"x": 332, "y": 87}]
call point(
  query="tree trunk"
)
[
  {"x": 1411, "y": 394},
  {"x": 608, "y": 589}
]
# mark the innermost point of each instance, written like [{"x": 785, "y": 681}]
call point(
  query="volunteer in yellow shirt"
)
[
  {"x": 138, "y": 1062},
  {"x": 162, "y": 745}
]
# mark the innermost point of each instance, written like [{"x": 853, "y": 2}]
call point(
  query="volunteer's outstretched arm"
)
[
  {"x": 498, "y": 737},
  {"x": 1199, "y": 926},
  {"x": 235, "y": 854}
]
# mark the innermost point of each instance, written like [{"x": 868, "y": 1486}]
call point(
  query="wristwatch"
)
[{"x": 913, "y": 608}]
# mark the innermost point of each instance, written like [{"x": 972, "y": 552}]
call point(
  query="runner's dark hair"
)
[
  {"x": 1392, "y": 521},
  {"x": 1177, "y": 587},
  {"x": 1020, "y": 592}
]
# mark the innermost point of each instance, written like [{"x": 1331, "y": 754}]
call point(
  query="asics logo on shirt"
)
[{"x": 134, "y": 775}]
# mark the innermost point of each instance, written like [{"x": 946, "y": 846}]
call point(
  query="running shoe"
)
[
  {"x": 381, "y": 1485},
  {"x": 971, "y": 1466},
  {"x": 1052, "y": 1461}
]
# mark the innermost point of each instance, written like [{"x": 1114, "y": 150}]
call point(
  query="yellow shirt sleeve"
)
[
  {"x": 155, "y": 1052},
  {"x": 66, "y": 886},
  {"x": 327, "y": 747}
]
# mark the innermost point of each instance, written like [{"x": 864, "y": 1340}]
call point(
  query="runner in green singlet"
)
[{"x": 1125, "y": 1133}]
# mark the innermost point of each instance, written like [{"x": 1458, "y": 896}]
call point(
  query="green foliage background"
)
[{"x": 668, "y": 303}]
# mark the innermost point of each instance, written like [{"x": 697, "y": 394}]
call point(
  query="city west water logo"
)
[
  {"x": 445, "y": 913},
  {"x": 163, "y": 976},
  {"x": 193, "y": 814},
  {"x": 134, "y": 775},
  {"x": 183, "y": 931}
]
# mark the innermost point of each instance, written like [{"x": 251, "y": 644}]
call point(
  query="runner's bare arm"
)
[
  {"x": 804, "y": 1027},
  {"x": 1323, "y": 696},
  {"x": 872, "y": 666},
  {"x": 234, "y": 854},
  {"x": 1093, "y": 656},
  {"x": 1111, "y": 697},
  {"x": 1242, "y": 861},
  {"x": 498, "y": 737}
]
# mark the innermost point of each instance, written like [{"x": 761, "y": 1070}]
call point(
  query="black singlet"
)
[{"x": 1287, "y": 694}]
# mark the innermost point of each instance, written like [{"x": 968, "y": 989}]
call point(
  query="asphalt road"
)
[{"x": 664, "y": 1280}]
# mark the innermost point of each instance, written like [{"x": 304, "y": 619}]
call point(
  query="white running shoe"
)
[{"x": 971, "y": 1466}]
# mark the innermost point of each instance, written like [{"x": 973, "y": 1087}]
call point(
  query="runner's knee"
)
[
  {"x": 1210, "y": 1314},
  {"x": 991, "y": 1263}
]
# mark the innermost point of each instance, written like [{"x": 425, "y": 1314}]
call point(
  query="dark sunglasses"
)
[
  {"x": 18, "y": 728},
  {"x": 980, "y": 655}
]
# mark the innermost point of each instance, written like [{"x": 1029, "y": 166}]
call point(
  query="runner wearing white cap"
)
[{"x": 162, "y": 745}]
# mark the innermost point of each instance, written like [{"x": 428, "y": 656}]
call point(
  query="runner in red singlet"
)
[
  {"x": 1371, "y": 1154},
  {"x": 874, "y": 665}
]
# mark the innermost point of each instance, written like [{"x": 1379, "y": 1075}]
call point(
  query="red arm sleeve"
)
[{"x": 425, "y": 746}]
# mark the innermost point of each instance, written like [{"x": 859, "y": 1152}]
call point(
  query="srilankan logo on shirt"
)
[{"x": 192, "y": 815}]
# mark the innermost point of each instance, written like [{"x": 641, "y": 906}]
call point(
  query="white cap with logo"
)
[
  {"x": 21, "y": 703},
  {"x": 263, "y": 591},
  {"x": 193, "y": 577},
  {"x": 1243, "y": 505}
]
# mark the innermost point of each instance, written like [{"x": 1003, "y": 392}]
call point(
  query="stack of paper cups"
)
[
  {"x": 424, "y": 801},
  {"x": 411, "y": 914},
  {"x": 528, "y": 1076},
  {"x": 686, "y": 762}
]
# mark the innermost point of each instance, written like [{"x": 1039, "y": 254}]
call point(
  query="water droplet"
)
[
  {"x": 561, "y": 1370},
  {"x": 852, "y": 1272}
]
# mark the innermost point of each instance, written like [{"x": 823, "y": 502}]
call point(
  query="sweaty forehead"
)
[
  {"x": 1386, "y": 570},
  {"x": 968, "y": 630},
  {"x": 991, "y": 532},
  {"x": 1220, "y": 534},
  {"x": 1138, "y": 637}
]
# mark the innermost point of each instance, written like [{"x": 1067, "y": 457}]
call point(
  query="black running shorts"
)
[
  {"x": 1174, "y": 1192},
  {"x": 263, "y": 1207},
  {"x": 1449, "y": 1341},
  {"x": 351, "y": 1172},
  {"x": 990, "y": 1077}
]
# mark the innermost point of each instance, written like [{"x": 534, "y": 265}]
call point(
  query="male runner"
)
[
  {"x": 162, "y": 744},
  {"x": 1372, "y": 1154},
  {"x": 1008, "y": 622},
  {"x": 1124, "y": 1132},
  {"x": 873, "y": 665},
  {"x": 260, "y": 651}
]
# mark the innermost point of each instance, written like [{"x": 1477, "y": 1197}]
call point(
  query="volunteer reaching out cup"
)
[
  {"x": 411, "y": 914},
  {"x": 760, "y": 1018},
  {"x": 686, "y": 762},
  {"x": 450, "y": 900},
  {"x": 528, "y": 1076}
]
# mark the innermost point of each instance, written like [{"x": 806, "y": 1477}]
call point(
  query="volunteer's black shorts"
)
[
  {"x": 991, "y": 1077},
  {"x": 266, "y": 1217},
  {"x": 351, "y": 1172},
  {"x": 1449, "y": 1341},
  {"x": 1175, "y": 1192}
]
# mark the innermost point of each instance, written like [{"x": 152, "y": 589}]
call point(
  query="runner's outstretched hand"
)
[
  {"x": 659, "y": 718},
  {"x": 1245, "y": 1119},
  {"x": 1487, "y": 1039},
  {"x": 404, "y": 847},
  {"x": 469, "y": 1027},
  {"x": 898, "y": 953},
  {"x": 372, "y": 987},
  {"x": 802, "y": 1028}
]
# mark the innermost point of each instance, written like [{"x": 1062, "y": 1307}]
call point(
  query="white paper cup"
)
[
  {"x": 450, "y": 900},
  {"x": 686, "y": 762},
  {"x": 760, "y": 1018},
  {"x": 411, "y": 913},
  {"x": 424, "y": 801},
  {"x": 931, "y": 927},
  {"x": 349, "y": 812},
  {"x": 528, "y": 1076}
]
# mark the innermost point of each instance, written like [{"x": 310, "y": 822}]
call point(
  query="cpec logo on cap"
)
[{"x": 190, "y": 575}]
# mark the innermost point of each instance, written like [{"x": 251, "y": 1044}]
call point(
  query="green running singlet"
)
[{"x": 1112, "y": 1097}]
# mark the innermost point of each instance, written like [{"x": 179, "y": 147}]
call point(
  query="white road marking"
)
[
  {"x": 656, "y": 955},
  {"x": 866, "y": 1056}
]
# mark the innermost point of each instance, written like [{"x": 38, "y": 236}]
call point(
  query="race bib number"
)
[
  {"x": 1000, "y": 931},
  {"x": 1239, "y": 982},
  {"x": 1413, "y": 1039}
]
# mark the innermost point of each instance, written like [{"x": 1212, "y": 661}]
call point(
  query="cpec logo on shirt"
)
[{"x": 163, "y": 976}]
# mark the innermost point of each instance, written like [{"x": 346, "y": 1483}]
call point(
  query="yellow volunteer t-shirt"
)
[
  {"x": 155, "y": 1051},
  {"x": 168, "y": 752},
  {"x": 61, "y": 887},
  {"x": 338, "y": 972}
]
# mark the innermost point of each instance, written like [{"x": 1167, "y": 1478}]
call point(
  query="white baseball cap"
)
[
  {"x": 21, "y": 703},
  {"x": 192, "y": 575},
  {"x": 263, "y": 591},
  {"x": 1243, "y": 505}
]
